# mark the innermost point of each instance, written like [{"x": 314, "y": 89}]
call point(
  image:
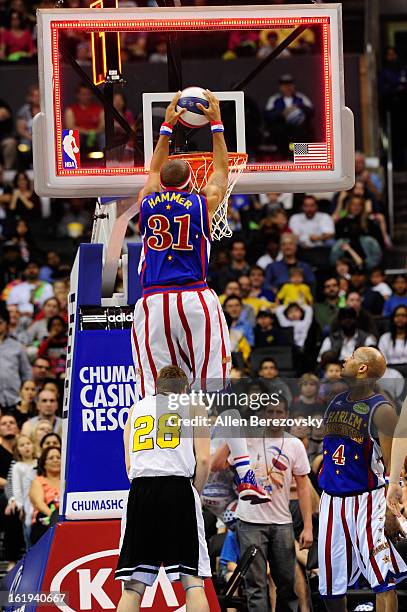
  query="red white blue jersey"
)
[
  {"x": 352, "y": 458},
  {"x": 176, "y": 242}
]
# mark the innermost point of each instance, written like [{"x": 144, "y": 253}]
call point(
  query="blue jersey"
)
[
  {"x": 176, "y": 242},
  {"x": 352, "y": 458}
]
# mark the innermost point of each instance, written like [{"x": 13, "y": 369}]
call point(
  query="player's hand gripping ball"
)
[{"x": 193, "y": 100}]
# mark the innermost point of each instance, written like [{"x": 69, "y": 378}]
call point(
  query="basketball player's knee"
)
[
  {"x": 192, "y": 582},
  {"x": 136, "y": 587}
]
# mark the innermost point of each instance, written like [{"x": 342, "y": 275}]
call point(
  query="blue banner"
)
[{"x": 102, "y": 392}]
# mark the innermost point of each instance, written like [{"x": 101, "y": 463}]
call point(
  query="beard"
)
[{"x": 9, "y": 436}]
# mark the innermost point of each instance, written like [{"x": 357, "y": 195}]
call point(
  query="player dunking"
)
[
  {"x": 352, "y": 539},
  {"x": 179, "y": 320},
  {"x": 167, "y": 461}
]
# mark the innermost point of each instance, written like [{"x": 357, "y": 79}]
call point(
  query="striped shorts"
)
[
  {"x": 352, "y": 542},
  {"x": 187, "y": 329}
]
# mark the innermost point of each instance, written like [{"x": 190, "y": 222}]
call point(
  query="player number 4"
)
[{"x": 339, "y": 457}]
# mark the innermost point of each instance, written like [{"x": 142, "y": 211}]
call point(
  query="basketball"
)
[{"x": 193, "y": 117}]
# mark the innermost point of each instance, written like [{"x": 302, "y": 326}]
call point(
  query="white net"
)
[{"x": 201, "y": 165}]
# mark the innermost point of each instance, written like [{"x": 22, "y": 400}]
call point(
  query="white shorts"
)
[
  {"x": 351, "y": 542},
  {"x": 187, "y": 329}
]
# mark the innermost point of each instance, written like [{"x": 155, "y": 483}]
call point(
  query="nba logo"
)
[{"x": 70, "y": 150}]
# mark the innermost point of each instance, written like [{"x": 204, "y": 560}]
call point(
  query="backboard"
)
[{"x": 278, "y": 71}]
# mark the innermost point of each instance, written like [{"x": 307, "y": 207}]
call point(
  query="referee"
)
[{"x": 167, "y": 461}]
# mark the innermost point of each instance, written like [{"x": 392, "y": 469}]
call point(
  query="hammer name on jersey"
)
[{"x": 167, "y": 196}]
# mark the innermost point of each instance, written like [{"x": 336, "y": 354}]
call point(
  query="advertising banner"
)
[{"x": 102, "y": 391}]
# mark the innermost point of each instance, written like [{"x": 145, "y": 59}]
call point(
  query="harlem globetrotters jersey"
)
[
  {"x": 161, "y": 439},
  {"x": 352, "y": 458},
  {"x": 176, "y": 242}
]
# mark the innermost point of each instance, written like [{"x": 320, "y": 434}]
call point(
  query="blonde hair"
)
[
  {"x": 33, "y": 435},
  {"x": 308, "y": 377},
  {"x": 16, "y": 454}
]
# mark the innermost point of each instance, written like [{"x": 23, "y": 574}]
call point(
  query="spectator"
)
[
  {"x": 331, "y": 383},
  {"x": 233, "y": 289},
  {"x": 76, "y": 220},
  {"x": 297, "y": 316},
  {"x": 288, "y": 116},
  {"x": 54, "y": 347},
  {"x": 30, "y": 294},
  {"x": 38, "y": 330},
  {"x": 38, "y": 432},
  {"x": 25, "y": 407},
  {"x": 238, "y": 263},
  {"x": 272, "y": 248},
  {"x": 22, "y": 238},
  {"x": 399, "y": 297},
  {"x": 21, "y": 475},
  {"x": 279, "y": 458},
  {"x": 47, "y": 407},
  {"x": 274, "y": 200},
  {"x": 18, "y": 324},
  {"x": 347, "y": 337},
  {"x": 233, "y": 307},
  {"x": 8, "y": 143},
  {"x": 45, "y": 492},
  {"x": 11, "y": 268},
  {"x": 295, "y": 290},
  {"x": 241, "y": 43},
  {"x": 24, "y": 201},
  {"x": 372, "y": 182},
  {"x": 87, "y": 117},
  {"x": 311, "y": 227},
  {"x": 51, "y": 267},
  {"x": 51, "y": 440},
  {"x": 277, "y": 273},
  {"x": 15, "y": 367},
  {"x": 257, "y": 279},
  {"x": 40, "y": 371},
  {"x": 16, "y": 40},
  {"x": 357, "y": 236},
  {"x": 266, "y": 332},
  {"x": 268, "y": 44},
  {"x": 9, "y": 523},
  {"x": 248, "y": 299},
  {"x": 159, "y": 55},
  {"x": 269, "y": 374},
  {"x": 393, "y": 344},
  {"x": 326, "y": 311},
  {"x": 378, "y": 282},
  {"x": 372, "y": 301},
  {"x": 24, "y": 125},
  {"x": 308, "y": 402},
  {"x": 365, "y": 320}
]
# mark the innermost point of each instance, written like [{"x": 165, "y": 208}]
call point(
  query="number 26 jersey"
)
[
  {"x": 352, "y": 458},
  {"x": 176, "y": 241}
]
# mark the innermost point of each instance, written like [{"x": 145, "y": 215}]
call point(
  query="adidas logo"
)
[{"x": 98, "y": 318}]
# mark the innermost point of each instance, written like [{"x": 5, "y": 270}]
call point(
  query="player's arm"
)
[
  {"x": 201, "y": 447},
  {"x": 161, "y": 150},
  {"x": 385, "y": 420},
  {"x": 305, "y": 503},
  {"x": 126, "y": 439},
  {"x": 218, "y": 181},
  {"x": 398, "y": 455}
]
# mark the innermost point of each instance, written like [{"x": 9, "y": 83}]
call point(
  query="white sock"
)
[{"x": 237, "y": 443}]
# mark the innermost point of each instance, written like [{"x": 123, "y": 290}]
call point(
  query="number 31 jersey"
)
[
  {"x": 161, "y": 441},
  {"x": 352, "y": 458},
  {"x": 176, "y": 242}
]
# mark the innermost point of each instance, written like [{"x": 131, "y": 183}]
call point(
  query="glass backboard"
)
[{"x": 278, "y": 69}]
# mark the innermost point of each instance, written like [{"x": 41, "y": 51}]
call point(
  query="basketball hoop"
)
[{"x": 201, "y": 165}]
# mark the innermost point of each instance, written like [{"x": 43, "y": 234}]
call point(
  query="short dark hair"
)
[
  {"x": 174, "y": 173},
  {"x": 48, "y": 435},
  {"x": 232, "y": 297},
  {"x": 172, "y": 379},
  {"x": 56, "y": 318},
  {"x": 263, "y": 361},
  {"x": 42, "y": 460}
]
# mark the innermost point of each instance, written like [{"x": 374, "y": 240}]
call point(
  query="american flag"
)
[{"x": 310, "y": 153}]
